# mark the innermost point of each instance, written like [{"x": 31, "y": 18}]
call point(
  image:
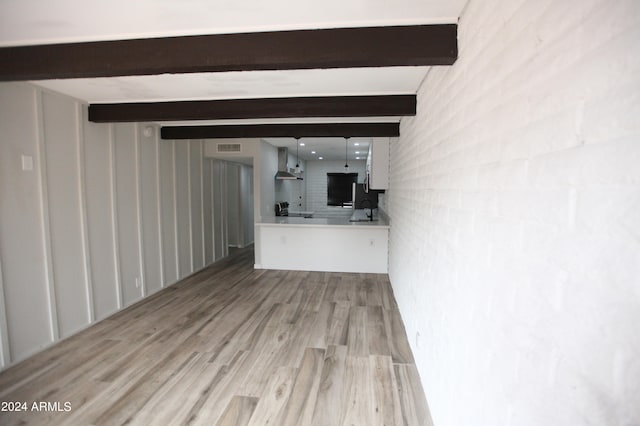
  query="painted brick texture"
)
[{"x": 515, "y": 206}]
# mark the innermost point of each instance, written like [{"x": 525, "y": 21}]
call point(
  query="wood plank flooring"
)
[{"x": 233, "y": 346}]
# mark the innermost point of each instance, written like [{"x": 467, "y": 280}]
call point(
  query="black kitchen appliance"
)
[
  {"x": 364, "y": 200},
  {"x": 339, "y": 189},
  {"x": 282, "y": 209}
]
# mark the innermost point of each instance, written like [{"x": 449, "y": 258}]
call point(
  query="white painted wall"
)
[
  {"x": 232, "y": 204},
  {"x": 207, "y": 210},
  {"x": 60, "y": 121},
  {"x": 316, "y": 185},
  {"x": 24, "y": 239},
  {"x": 197, "y": 211},
  {"x": 104, "y": 206},
  {"x": 246, "y": 204},
  {"x": 238, "y": 204},
  {"x": 514, "y": 199},
  {"x": 126, "y": 201},
  {"x": 219, "y": 209},
  {"x": 168, "y": 207},
  {"x": 99, "y": 162},
  {"x": 253, "y": 151},
  {"x": 149, "y": 212},
  {"x": 267, "y": 184},
  {"x": 183, "y": 215}
]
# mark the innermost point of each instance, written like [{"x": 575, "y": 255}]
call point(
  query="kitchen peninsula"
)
[{"x": 322, "y": 244}]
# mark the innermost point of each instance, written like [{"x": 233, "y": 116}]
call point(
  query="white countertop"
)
[
  {"x": 322, "y": 222},
  {"x": 300, "y": 212}
]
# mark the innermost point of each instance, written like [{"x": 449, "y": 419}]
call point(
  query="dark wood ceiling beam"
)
[
  {"x": 282, "y": 130},
  {"x": 302, "y": 49},
  {"x": 302, "y": 107}
]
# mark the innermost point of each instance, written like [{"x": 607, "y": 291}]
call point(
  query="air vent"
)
[{"x": 229, "y": 147}]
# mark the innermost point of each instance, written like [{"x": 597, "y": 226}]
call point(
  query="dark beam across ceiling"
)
[
  {"x": 302, "y": 107},
  {"x": 282, "y": 130},
  {"x": 413, "y": 45}
]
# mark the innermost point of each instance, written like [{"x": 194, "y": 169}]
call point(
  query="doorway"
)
[{"x": 232, "y": 205}]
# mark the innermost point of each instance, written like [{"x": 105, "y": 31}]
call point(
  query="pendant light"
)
[
  {"x": 297, "y": 169},
  {"x": 346, "y": 162}
]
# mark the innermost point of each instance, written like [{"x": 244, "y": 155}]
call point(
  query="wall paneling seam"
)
[
  {"x": 189, "y": 206},
  {"x": 175, "y": 210},
  {"x": 156, "y": 145},
  {"x": 114, "y": 217},
  {"x": 5, "y": 353},
  {"x": 212, "y": 182},
  {"x": 204, "y": 240},
  {"x": 225, "y": 199},
  {"x": 240, "y": 206},
  {"x": 84, "y": 229},
  {"x": 141, "y": 260},
  {"x": 46, "y": 223}
]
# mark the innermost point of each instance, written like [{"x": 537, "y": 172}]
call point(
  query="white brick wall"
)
[
  {"x": 316, "y": 183},
  {"x": 292, "y": 191},
  {"x": 515, "y": 208}
]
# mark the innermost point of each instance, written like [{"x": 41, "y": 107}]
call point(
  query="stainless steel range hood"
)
[{"x": 283, "y": 172}]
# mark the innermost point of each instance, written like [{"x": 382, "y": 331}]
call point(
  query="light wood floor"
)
[{"x": 234, "y": 346}]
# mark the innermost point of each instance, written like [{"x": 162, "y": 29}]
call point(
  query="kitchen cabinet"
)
[
  {"x": 322, "y": 244},
  {"x": 378, "y": 164}
]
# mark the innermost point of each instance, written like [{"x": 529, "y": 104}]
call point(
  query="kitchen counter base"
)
[{"x": 334, "y": 246}]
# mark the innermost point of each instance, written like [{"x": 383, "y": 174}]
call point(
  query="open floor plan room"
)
[
  {"x": 340, "y": 213},
  {"x": 233, "y": 345}
]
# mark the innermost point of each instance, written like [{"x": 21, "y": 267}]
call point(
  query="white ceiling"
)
[
  {"x": 243, "y": 84},
  {"x": 327, "y": 148},
  {"x": 25, "y": 22}
]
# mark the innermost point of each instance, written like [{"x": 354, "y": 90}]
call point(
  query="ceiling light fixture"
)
[
  {"x": 346, "y": 163},
  {"x": 320, "y": 158}
]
